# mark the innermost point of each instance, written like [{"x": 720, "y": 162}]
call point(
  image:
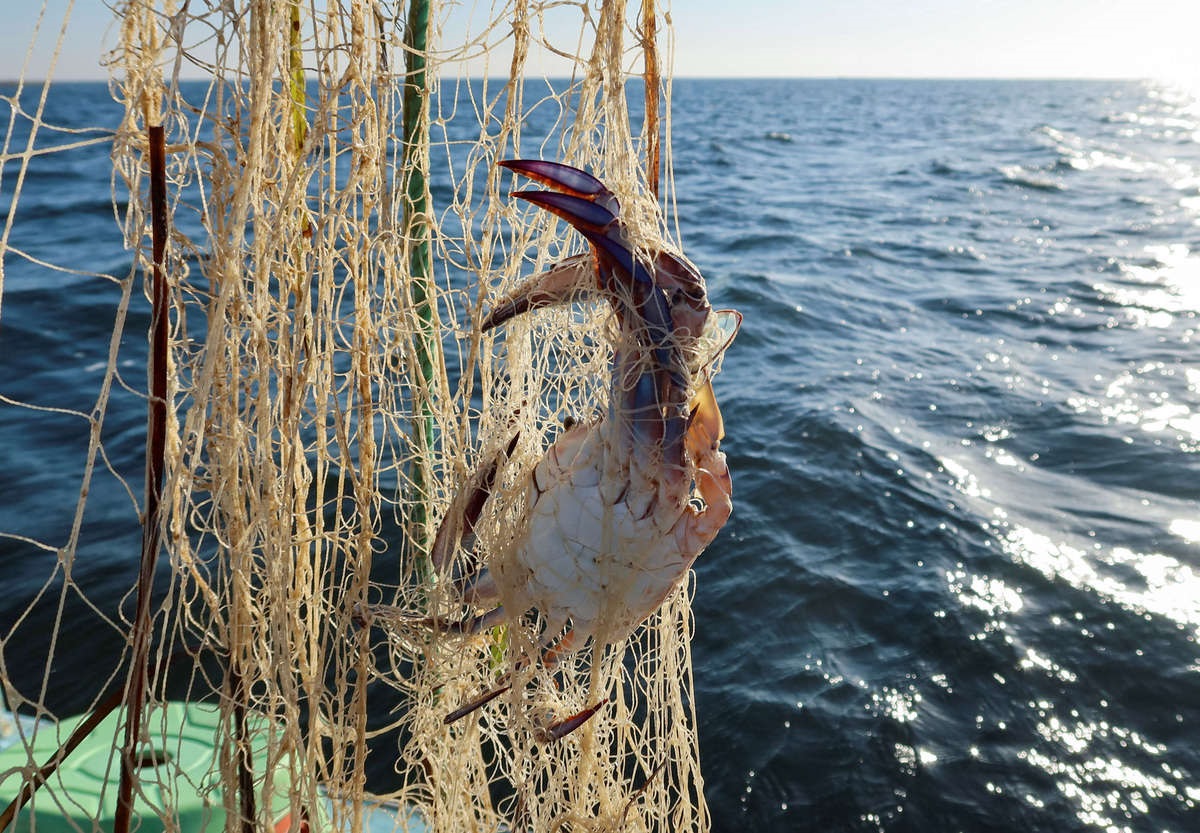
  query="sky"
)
[{"x": 797, "y": 38}]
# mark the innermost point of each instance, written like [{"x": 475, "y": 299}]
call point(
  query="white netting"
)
[{"x": 338, "y": 228}]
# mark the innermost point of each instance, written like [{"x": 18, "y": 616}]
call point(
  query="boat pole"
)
[
  {"x": 136, "y": 688},
  {"x": 415, "y": 161}
]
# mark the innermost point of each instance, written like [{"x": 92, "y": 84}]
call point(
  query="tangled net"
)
[{"x": 337, "y": 227}]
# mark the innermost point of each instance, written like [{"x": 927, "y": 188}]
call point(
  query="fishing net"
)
[{"x": 331, "y": 228}]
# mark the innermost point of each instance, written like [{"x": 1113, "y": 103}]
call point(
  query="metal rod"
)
[{"x": 136, "y": 689}]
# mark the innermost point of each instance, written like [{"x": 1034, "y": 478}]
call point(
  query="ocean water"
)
[{"x": 960, "y": 588}]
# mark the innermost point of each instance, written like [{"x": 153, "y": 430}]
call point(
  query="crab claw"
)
[
  {"x": 587, "y": 204},
  {"x": 584, "y": 202},
  {"x": 566, "y": 179},
  {"x": 579, "y": 198},
  {"x": 590, "y": 218},
  {"x": 601, "y": 226}
]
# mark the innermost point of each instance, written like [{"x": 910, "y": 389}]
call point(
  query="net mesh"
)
[{"x": 338, "y": 229}]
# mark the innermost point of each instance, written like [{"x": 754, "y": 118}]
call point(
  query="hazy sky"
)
[{"x": 872, "y": 38}]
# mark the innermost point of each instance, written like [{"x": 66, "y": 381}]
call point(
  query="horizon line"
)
[{"x": 688, "y": 77}]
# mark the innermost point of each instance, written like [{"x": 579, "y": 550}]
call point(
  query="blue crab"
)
[{"x": 615, "y": 512}]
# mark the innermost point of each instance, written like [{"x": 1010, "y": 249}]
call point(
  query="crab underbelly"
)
[{"x": 598, "y": 564}]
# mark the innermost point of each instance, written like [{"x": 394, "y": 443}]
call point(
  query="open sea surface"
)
[{"x": 960, "y": 590}]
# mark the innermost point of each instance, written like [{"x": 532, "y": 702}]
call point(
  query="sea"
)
[{"x": 960, "y": 589}]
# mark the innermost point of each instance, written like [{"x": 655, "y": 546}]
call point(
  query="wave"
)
[{"x": 1031, "y": 178}]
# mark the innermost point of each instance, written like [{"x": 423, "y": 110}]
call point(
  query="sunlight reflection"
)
[
  {"x": 992, "y": 596},
  {"x": 1141, "y": 397},
  {"x": 1105, "y": 789},
  {"x": 1169, "y": 287},
  {"x": 1143, "y": 582},
  {"x": 1081, "y": 154},
  {"x": 1109, "y": 774},
  {"x": 1187, "y": 529},
  {"x": 1033, "y": 660},
  {"x": 900, "y": 706},
  {"x": 1168, "y": 588},
  {"x": 910, "y": 758},
  {"x": 1116, "y": 789},
  {"x": 966, "y": 482}
]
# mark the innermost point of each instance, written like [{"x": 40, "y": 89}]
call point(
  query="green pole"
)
[{"x": 415, "y": 159}]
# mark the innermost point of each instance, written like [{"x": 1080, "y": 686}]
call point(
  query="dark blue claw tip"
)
[
  {"x": 582, "y": 213},
  {"x": 569, "y": 179}
]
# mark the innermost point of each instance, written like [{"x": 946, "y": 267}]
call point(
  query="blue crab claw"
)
[
  {"x": 604, "y": 230},
  {"x": 583, "y": 201},
  {"x": 459, "y": 522},
  {"x": 587, "y": 204},
  {"x": 592, "y": 220},
  {"x": 595, "y": 215},
  {"x": 566, "y": 179}
]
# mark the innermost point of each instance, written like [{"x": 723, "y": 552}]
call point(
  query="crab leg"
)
[
  {"x": 550, "y": 658},
  {"x": 479, "y": 702},
  {"x": 562, "y": 728},
  {"x": 560, "y": 284},
  {"x": 459, "y": 523}
]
